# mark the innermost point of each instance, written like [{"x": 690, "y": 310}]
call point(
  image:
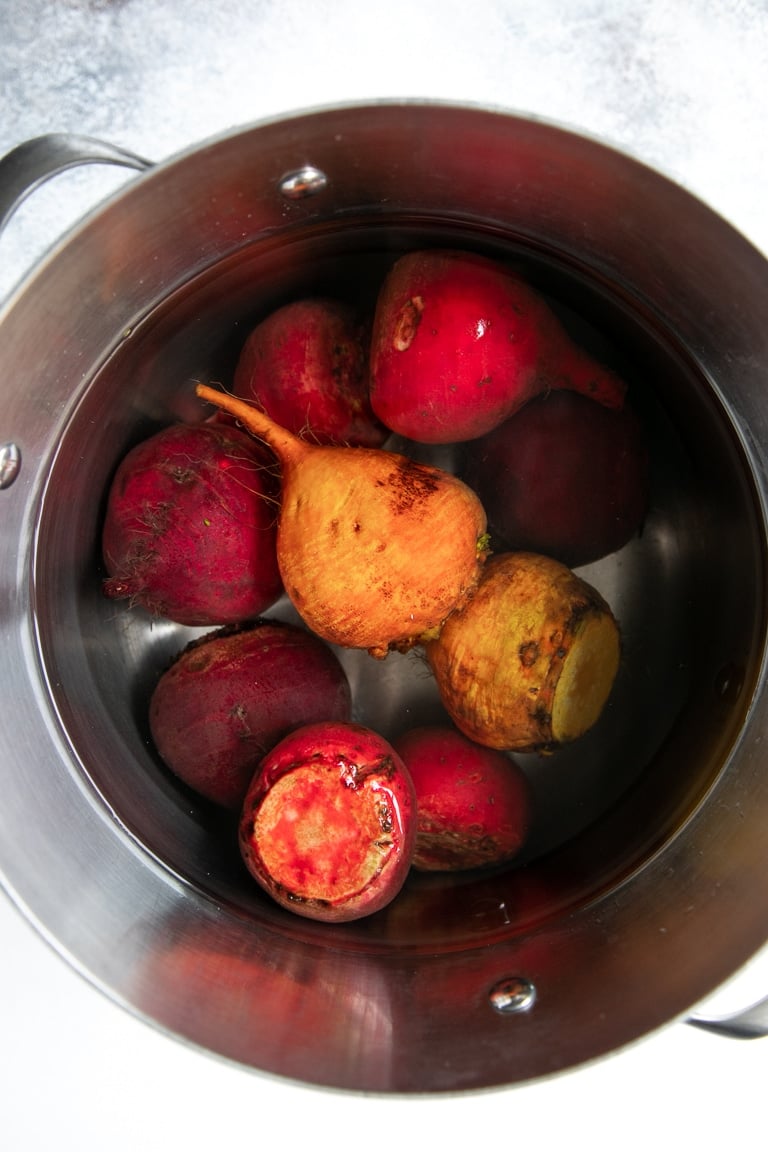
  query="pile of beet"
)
[{"x": 288, "y": 489}]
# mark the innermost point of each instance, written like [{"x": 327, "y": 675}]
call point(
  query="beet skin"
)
[
  {"x": 190, "y": 528},
  {"x": 459, "y": 343},
  {"x": 473, "y": 802},
  {"x": 306, "y": 366},
  {"x": 564, "y": 476},
  {"x": 231, "y": 696}
]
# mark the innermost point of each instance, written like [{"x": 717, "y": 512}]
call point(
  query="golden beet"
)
[
  {"x": 373, "y": 548},
  {"x": 529, "y": 660}
]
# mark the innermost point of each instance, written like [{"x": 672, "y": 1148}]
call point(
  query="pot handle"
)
[
  {"x": 30, "y": 164},
  {"x": 749, "y": 1024}
]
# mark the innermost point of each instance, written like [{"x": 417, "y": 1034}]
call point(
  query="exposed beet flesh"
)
[{"x": 329, "y": 821}]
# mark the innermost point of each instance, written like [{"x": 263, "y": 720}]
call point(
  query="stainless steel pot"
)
[{"x": 643, "y": 886}]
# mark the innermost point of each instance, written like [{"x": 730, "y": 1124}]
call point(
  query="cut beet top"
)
[
  {"x": 529, "y": 661},
  {"x": 329, "y": 822}
]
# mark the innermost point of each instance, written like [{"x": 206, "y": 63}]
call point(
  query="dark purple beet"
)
[
  {"x": 564, "y": 476},
  {"x": 231, "y": 696}
]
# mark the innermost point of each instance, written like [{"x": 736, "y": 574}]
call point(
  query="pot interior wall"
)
[{"x": 688, "y": 594}]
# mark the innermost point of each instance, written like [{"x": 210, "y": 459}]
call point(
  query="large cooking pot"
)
[{"x": 643, "y": 886}]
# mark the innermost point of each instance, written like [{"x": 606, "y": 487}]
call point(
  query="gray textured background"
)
[{"x": 679, "y": 83}]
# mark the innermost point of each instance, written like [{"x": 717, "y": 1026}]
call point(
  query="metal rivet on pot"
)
[
  {"x": 304, "y": 182},
  {"x": 512, "y": 995},
  {"x": 10, "y": 463},
  {"x": 729, "y": 682}
]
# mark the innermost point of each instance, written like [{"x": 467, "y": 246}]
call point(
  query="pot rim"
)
[{"x": 640, "y": 916}]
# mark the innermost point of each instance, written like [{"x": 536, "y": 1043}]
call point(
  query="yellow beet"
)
[
  {"x": 373, "y": 548},
  {"x": 528, "y": 661}
]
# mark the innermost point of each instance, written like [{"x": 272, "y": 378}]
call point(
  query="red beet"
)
[
  {"x": 473, "y": 802},
  {"x": 232, "y": 695},
  {"x": 306, "y": 365},
  {"x": 190, "y": 528},
  {"x": 459, "y": 343},
  {"x": 564, "y": 477},
  {"x": 329, "y": 821}
]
